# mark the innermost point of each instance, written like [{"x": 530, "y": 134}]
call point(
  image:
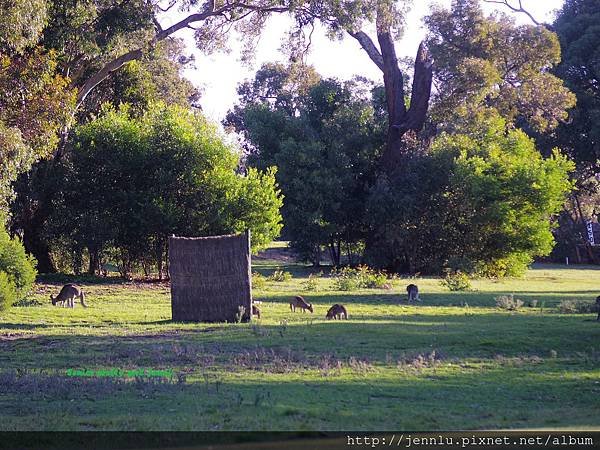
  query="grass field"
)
[{"x": 453, "y": 362}]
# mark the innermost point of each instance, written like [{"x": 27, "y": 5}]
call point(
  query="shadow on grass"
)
[
  {"x": 452, "y": 299},
  {"x": 454, "y": 336},
  {"x": 530, "y": 394}
]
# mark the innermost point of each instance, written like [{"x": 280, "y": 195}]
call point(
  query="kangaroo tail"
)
[{"x": 82, "y": 299}]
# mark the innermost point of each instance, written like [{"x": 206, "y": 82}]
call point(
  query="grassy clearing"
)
[{"x": 453, "y": 362}]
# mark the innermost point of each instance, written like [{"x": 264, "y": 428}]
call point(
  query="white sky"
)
[{"x": 218, "y": 75}]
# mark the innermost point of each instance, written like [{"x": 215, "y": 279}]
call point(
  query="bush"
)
[
  {"x": 280, "y": 275},
  {"x": 457, "y": 281},
  {"x": 312, "y": 283},
  {"x": 259, "y": 281},
  {"x": 8, "y": 292},
  {"x": 508, "y": 302},
  {"x": 361, "y": 277},
  {"x": 576, "y": 307},
  {"x": 17, "y": 270}
]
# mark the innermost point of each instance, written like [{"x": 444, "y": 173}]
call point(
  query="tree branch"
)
[
  {"x": 421, "y": 90},
  {"x": 392, "y": 79},
  {"x": 162, "y": 34},
  {"x": 368, "y": 46},
  {"x": 518, "y": 9}
]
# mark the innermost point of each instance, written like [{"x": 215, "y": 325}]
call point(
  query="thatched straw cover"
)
[{"x": 210, "y": 278}]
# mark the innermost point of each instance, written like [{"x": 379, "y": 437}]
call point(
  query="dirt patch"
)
[
  {"x": 276, "y": 254},
  {"x": 17, "y": 336},
  {"x": 169, "y": 333}
]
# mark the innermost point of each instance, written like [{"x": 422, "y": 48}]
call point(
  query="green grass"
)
[{"x": 454, "y": 361}]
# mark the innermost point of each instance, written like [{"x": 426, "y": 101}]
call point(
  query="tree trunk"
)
[
  {"x": 334, "y": 253},
  {"x": 159, "y": 260},
  {"x": 588, "y": 246},
  {"x": 40, "y": 249},
  {"x": 94, "y": 265},
  {"x": 401, "y": 120},
  {"x": 316, "y": 260}
]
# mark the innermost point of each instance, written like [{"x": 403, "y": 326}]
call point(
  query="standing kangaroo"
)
[
  {"x": 299, "y": 302},
  {"x": 68, "y": 294},
  {"x": 598, "y": 307},
  {"x": 337, "y": 311},
  {"x": 413, "y": 292}
]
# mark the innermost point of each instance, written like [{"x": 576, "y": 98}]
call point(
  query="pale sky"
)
[{"x": 218, "y": 75}]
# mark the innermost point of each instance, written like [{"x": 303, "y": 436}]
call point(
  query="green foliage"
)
[
  {"x": 483, "y": 198},
  {"x": 155, "y": 78},
  {"x": 22, "y": 23},
  {"x": 311, "y": 283},
  {"x": 456, "y": 281},
  {"x": 175, "y": 174},
  {"x": 29, "y": 121},
  {"x": 577, "y": 28},
  {"x": 489, "y": 62},
  {"x": 324, "y": 138},
  {"x": 17, "y": 270},
  {"x": 8, "y": 292},
  {"x": 279, "y": 275},
  {"x": 259, "y": 281},
  {"x": 361, "y": 277},
  {"x": 508, "y": 302}
]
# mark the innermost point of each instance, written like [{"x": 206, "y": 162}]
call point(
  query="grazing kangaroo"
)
[
  {"x": 299, "y": 302},
  {"x": 255, "y": 311},
  {"x": 67, "y": 294},
  {"x": 413, "y": 292},
  {"x": 337, "y": 311}
]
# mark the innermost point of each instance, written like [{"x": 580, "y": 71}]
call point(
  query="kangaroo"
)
[
  {"x": 67, "y": 294},
  {"x": 299, "y": 302},
  {"x": 598, "y": 307},
  {"x": 337, "y": 311},
  {"x": 255, "y": 311},
  {"x": 413, "y": 292}
]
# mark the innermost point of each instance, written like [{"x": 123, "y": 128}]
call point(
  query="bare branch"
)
[
  {"x": 516, "y": 9},
  {"x": 171, "y": 4}
]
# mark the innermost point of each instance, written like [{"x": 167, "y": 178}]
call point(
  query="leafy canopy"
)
[
  {"x": 489, "y": 62},
  {"x": 480, "y": 201},
  {"x": 132, "y": 182}
]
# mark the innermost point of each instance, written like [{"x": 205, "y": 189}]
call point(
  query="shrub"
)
[
  {"x": 576, "y": 307},
  {"x": 344, "y": 282},
  {"x": 17, "y": 270},
  {"x": 348, "y": 278},
  {"x": 456, "y": 281},
  {"x": 508, "y": 302},
  {"x": 312, "y": 283},
  {"x": 369, "y": 278},
  {"x": 259, "y": 281},
  {"x": 280, "y": 275},
  {"x": 8, "y": 293}
]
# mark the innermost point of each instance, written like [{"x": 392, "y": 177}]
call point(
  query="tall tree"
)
[
  {"x": 578, "y": 31},
  {"x": 133, "y": 181},
  {"x": 489, "y": 62},
  {"x": 325, "y": 139},
  {"x": 35, "y": 99}
]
